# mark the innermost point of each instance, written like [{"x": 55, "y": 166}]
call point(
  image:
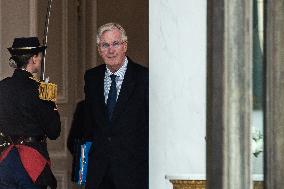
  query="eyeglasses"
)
[{"x": 115, "y": 45}]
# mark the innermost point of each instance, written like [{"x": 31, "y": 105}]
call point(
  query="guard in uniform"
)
[{"x": 26, "y": 121}]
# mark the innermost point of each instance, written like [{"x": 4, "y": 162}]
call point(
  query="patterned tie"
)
[{"x": 112, "y": 95}]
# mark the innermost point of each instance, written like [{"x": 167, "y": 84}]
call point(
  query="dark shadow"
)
[{"x": 75, "y": 136}]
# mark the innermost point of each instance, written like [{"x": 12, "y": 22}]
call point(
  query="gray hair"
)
[{"x": 109, "y": 27}]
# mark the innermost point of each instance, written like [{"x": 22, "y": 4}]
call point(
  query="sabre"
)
[
  {"x": 42, "y": 75},
  {"x": 47, "y": 90}
]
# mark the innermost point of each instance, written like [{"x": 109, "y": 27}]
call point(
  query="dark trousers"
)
[
  {"x": 107, "y": 182},
  {"x": 13, "y": 174}
]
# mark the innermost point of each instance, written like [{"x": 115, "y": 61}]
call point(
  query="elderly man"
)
[{"x": 116, "y": 116}]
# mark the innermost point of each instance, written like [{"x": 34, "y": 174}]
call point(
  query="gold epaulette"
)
[{"x": 47, "y": 91}]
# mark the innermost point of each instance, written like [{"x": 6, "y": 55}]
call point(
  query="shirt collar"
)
[{"x": 120, "y": 72}]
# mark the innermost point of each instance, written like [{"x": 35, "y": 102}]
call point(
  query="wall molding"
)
[
  {"x": 63, "y": 94},
  {"x": 33, "y": 17},
  {"x": 62, "y": 179}
]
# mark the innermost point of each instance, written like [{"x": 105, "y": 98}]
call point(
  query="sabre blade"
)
[{"x": 42, "y": 75}]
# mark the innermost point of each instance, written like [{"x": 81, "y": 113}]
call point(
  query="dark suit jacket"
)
[
  {"x": 120, "y": 144},
  {"x": 22, "y": 113}
]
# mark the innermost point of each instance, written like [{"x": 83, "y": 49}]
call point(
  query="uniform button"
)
[{"x": 109, "y": 139}]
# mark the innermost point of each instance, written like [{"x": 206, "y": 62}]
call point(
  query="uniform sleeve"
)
[{"x": 50, "y": 119}]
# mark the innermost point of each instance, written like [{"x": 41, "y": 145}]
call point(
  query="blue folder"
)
[{"x": 82, "y": 167}]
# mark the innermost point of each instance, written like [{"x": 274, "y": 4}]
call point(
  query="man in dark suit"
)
[{"x": 117, "y": 116}]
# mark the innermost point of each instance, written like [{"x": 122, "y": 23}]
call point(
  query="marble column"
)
[
  {"x": 177, "y": 97},
  {"x": 229, "y": 94},
  {"x": 274, "y": 114}
]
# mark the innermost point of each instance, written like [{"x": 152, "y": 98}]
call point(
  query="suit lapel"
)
[
  {"x": 126, "y": 90},
  {"x": 102, "y": 113}
]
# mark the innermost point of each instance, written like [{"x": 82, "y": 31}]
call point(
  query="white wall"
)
[{"x": 177, "y": 30}]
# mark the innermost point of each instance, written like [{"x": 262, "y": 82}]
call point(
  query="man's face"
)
[{"x": 112, "y": 49}]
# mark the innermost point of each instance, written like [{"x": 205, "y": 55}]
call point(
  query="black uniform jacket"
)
[
  {"x": 22, "y": 113},
  {"x": 119, "y": 144}
]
